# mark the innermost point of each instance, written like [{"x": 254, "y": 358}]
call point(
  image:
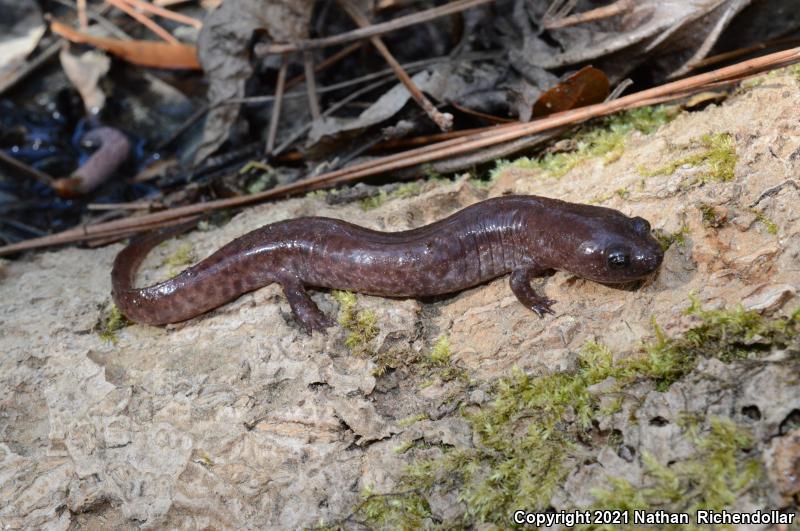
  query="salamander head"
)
[{"x": 619, "y": 249}]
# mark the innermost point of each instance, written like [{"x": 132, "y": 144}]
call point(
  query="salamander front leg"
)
[
  {"x": 521, "y": 287},
  {"x": 304, "y": 309}
]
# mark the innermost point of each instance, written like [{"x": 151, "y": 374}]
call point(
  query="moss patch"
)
[
  {"x": 361, "y": 325},
  {"x": 606, "y": 140},
  {"x": 529, "y": 436},
  {"x": 180, "y": 259},
  {"x": 770, "y": 226},
  {"x": 727, "y": 335},
  {"x": 667, "y": 239},
  {"x": 110, "y": 323},
  {"x": 523, "y": 443},
  {"x": 403, "y": 191},
  {"x": 712, "y": 216},
  {"x": 713, "y": 478},
  {"x": 717, "y": 153}
]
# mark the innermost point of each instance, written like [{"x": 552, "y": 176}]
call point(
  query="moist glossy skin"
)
[{"x": 526, "y": 236}]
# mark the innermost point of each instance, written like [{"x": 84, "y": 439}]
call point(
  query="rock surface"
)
[{"x": 237, "y": 419}]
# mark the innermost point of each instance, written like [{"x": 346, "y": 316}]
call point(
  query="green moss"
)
[
  {"x": 769, "y": 225},
  {"x": 527, "y": 436},
  {"x": 718, "y": 154},
  {"x": 403, "y": 510},
  {"x": 403, "y": 423},
  {"x": 718, "y": 472},
  {"x": 432, "y": 175},
  {"x": 361, "y": 325},
  {"x": 318, "y": 194},
  {"x": 523, "y": 441},
  {"x": 667, "y": 239},
  {"x": 110, "y": 323},
  {"x": 605, "y": 140},
  {"x": 794, "y": 71},
  {"x": 403, "y": 191},
  {"x": 441, "y": 353},
  {"x": 181, "y": 258},
  {"x": 439, "y": 362},
  {"x": 712, "y": 217},
  {"x": 416, "y": 444},
  {"x": 727, "y": 335}
]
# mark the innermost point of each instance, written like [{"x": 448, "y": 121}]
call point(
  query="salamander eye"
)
[
  {"x": 641, "y": 226},
  {"x": 618, "y": 260}
]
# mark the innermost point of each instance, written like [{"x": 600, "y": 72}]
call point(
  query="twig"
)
[
  {"x": 26, "y": 169},
  {"x": 325, "y": 64},
  {"x": 136, "y": 205},
  {"x": 122, "y": 5},
  {"x": 165, "y": 13},
  {"x": 492, "y": 119},
  {"x": 612, "y": 10},
  {"x": 276, "y": 107},
  {"x": 424, "y": 140},
  {"x": 442, "y": 150},
  {"x": 443, "y": 120},
  {"x": 114, "y": 236},
  {"x": 733, "y": 54},
  {"x": 311, "y": 84},
  {"x": 734, "y": 7},
  {"x": 411, "y": 66},
  {"x": 376, "y": 29},
  {"x": 83, "y": 20},
  {"x": 189, "y": 122},
  {"x": 621, "y": 87},
  {"x": 98, "y": 17},
  {"x": 559, "y": 8},
  {"x": 329, "y": 111}
]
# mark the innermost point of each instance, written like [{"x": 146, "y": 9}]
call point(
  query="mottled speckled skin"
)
[{"x": 522, "y": 235}]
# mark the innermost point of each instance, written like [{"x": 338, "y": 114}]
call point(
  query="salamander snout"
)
[
  {"x": 629, "y": 262},
  {"x": 648, "y": 260}
]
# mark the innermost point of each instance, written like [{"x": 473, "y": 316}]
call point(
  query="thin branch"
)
[
  {"x": 311, "y": 84},
  {"x": 733, "y": 54},
  {"x": 165, "y": 13},
  {"x": 83, "y": 20},
  {"x": 136, "y": 205},
  {"x": 21, "y": 167},
  {"x": 329, "y": 111},
  {"x": 326, "y": 63},
  {"x": 376, "y": 29},
  {"x": 122, "y": 5},
  {"x": 189, "y": 122},
  {"x": 414, "y": 65},
  {"x": 612, "y": 10},
  {"x": 427, "y": 154},
  {"x": 277, "y": 106},
  {"x": 442, "y": 120}
]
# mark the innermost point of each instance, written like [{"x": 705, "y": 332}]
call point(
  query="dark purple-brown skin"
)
[{"x": 526, "y": 236}]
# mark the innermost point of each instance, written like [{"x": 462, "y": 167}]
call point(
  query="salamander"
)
[{"x": 526, "y": 236}]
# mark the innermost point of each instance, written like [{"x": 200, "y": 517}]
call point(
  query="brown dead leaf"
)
[
  {"x": 587, "y": 86},
  {"x": 144, "y": 53},
  {"x": 85, "y": 72}
]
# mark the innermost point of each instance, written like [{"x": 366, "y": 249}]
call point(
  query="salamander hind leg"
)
[
  {"x": 521, "y": 287},
  {"x": 304, "y": 309}
]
